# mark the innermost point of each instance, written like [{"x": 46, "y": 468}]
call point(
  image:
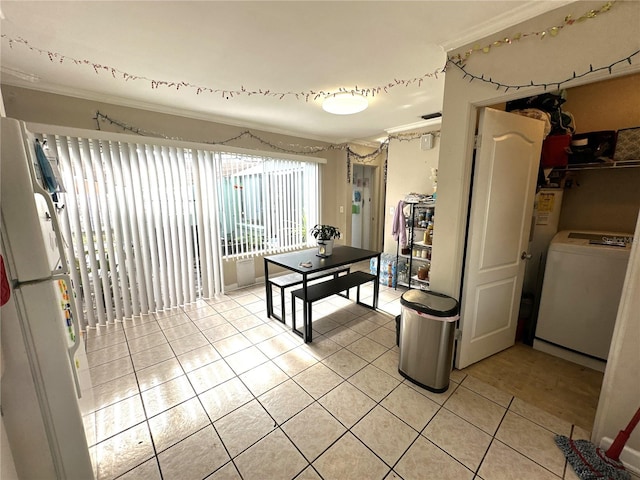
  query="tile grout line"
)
[
  {"x": 376, "y": 404},
  {"x": 237, "y": 376},
  {"x": 317, "y": 360},
  {"x": 421, "y": 433},
  {"x": 316, "y": 401},
  {"x": 277, "y": 426},
  {"x": 493, "y": 437},
  {"x": 144, "y": 410}
]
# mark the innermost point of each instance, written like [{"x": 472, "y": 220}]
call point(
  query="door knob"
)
[{"x": 525, "y": 256}]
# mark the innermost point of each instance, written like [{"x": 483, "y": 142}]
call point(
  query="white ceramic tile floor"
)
[{"x": 218, "y": 390}]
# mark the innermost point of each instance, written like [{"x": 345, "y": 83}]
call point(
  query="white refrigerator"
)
[{"x": 45, "y": 383}]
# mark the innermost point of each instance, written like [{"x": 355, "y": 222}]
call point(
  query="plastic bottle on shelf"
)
[{"x": 429, "y": 214}]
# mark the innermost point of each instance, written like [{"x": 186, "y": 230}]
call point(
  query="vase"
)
[{"x": 325, "y": 247}]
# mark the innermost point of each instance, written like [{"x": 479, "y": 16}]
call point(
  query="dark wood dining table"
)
[{"x": 294, "y": 261}]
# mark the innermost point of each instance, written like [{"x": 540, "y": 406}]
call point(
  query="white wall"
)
[
  {"x": 620, "y": 393},
  {"x": 408, "y": 171},
  {"x": 606, "y": 200},
  {"x": 7, "y": 466}
]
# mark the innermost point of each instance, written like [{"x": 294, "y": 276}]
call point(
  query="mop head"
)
[{"x": 590, "y": 462}]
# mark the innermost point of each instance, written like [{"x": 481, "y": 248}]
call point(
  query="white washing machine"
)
[{"x": 581, "y": 292}]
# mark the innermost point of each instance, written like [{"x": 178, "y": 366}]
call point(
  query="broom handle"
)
[{"x": 621, "y": 439}]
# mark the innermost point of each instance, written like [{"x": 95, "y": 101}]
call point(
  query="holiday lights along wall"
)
[
  {"x": 289, "y": 148},
  {"x": 293, "y": 148},
  {"x": 551, "y": 31},
  {"x": 372, "y": 91},
  {"x": 54, "y": 56},
  {"x": 554, "y": 84}
]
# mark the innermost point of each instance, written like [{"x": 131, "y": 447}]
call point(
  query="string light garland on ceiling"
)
[
  {"x": 460, "y": 58},
  {"x": 457, "y": 60},
  {"x": 546, "y": 85},
  {"x": 227, "y": 94}
]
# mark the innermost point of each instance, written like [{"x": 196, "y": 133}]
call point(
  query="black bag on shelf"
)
[
  {"x": 561, "y": 122},
  {"x": 547, "y": 102},
  {"x": 592, "y": 147}
]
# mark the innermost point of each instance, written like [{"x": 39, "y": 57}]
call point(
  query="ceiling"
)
[{"x": 280, "y": 47}]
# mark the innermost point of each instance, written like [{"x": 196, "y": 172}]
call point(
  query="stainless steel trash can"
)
[{"x": 427, "y": 330}]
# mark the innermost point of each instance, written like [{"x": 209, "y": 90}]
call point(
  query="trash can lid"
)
[{"x": 430, "y": 303}]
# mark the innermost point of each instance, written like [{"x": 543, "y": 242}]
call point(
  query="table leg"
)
[
  {"x": 268, "y": 289},
  {"x": 309, "y": 323},
  {"x": 305, "y": 316},
  {"x": 376, "y": 286}
]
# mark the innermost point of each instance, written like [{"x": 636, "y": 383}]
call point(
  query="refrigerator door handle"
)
[{"x": 76, "y": 330}]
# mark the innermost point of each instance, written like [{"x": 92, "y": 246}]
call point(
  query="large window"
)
[
  {"x": 149, "y": 225},
  {"x": 267, "y": 204}
]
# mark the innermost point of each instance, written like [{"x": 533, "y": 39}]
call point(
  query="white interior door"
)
[
  {"x": 504, "y": 184},
  {"x": 366, "y": 207},
  {"x": 362, "y": 202},
  {"x": 356, "y": 207}
]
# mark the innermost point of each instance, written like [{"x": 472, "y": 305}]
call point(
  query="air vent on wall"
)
[{"x": 429, "y": 116}]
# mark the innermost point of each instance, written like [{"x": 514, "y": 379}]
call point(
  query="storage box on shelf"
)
[
  {"x": 414, "y": 259},
  {"x": 602, "y": 149}
]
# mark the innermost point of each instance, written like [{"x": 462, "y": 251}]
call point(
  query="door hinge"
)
[
  {"x": 458, "y": 334},
  {"x": 477, "y": 142}
]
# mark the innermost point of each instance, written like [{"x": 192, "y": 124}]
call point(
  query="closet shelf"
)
[
  {"x": 422, "y": 244},
  {"x": 401, "y": 255},
  {"x": 610, "y": 163}
]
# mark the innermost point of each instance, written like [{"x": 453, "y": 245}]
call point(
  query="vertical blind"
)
[
  {"x": 148, "y": 225},
  {"x": 267, "y": 203},
  {"x": 141, "y": 223}
]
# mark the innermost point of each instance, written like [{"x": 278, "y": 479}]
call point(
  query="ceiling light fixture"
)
[{"x": 345, "y": 103}]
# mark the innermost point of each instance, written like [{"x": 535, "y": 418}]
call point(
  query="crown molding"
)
[
  {"x": 506, "y": 20},
  {"x": 415, "y": 126}
]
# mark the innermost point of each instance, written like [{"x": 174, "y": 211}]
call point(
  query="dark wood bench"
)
[
  {"x": 325, "y": 289},
  {"x": 293, "y": 279}
]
